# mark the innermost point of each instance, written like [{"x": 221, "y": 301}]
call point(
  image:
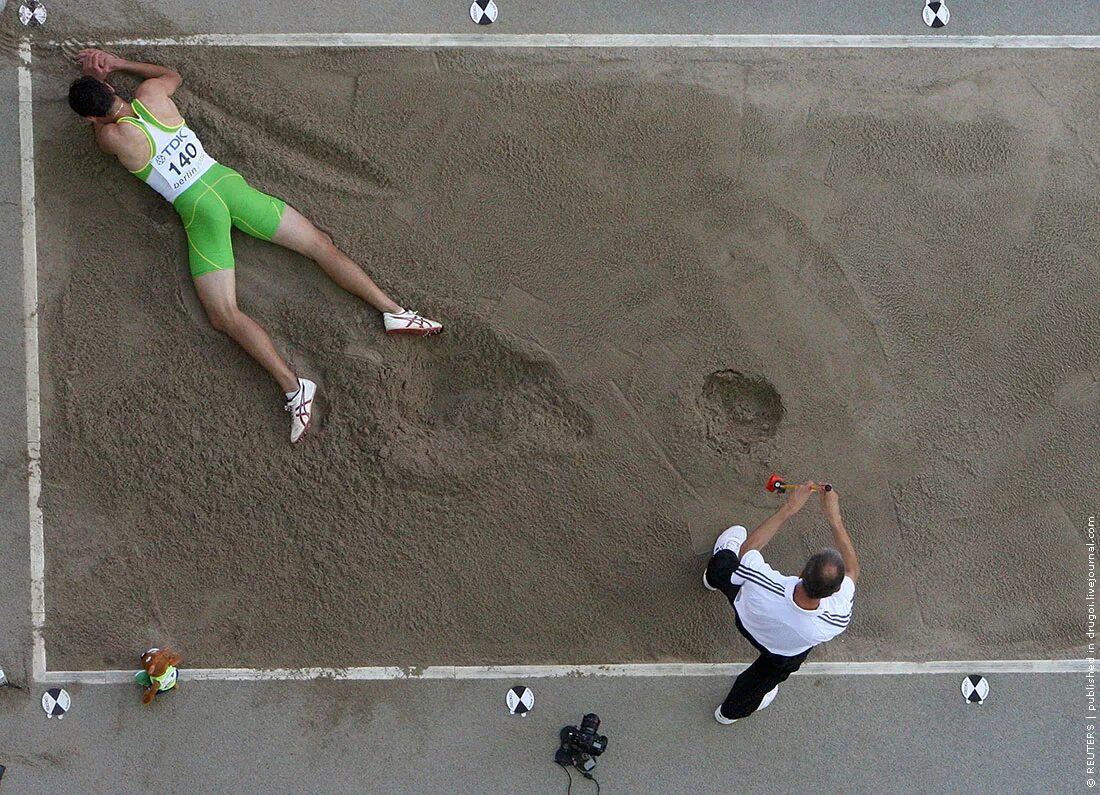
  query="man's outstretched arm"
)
[
  {"x": 830, "y": 502},
  {"x": 100, "y": 64},
  {"x": 759, "y": 537}
]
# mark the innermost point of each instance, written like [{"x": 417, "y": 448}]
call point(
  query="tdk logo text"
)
[{"x": 170, "y": 148}]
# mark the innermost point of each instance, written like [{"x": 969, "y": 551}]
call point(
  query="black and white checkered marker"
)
[
  {"x": 975, "y": 688},
  {"x": 936, "y": 14},
  {"x": 56, "y": 702},
  {"x": 520, "y": 700},
  {"x": 32, "y": 13},
  {"x": 483, "y": 12}
]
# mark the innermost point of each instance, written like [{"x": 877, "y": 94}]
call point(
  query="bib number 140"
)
[{"x": 183, "y": 159}]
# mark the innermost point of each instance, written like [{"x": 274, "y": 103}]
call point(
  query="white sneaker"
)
[
  {"x": 768, "y": 698},
  {"x": 732, "y": 538},
  {"x": 300, "y": 406},
  {"x": 718, "y": 716},
  {"x": 407, "y": 321}
]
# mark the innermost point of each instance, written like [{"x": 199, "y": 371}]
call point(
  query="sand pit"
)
[{"x": 664, "y": 274}]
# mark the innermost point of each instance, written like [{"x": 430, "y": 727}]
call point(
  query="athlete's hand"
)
[{"x": 98, "y": 63}]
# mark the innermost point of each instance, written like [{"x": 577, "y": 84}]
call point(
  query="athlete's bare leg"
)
[
  {"x": 218, "y": 293},
  {"x": 297, "y": 233}
]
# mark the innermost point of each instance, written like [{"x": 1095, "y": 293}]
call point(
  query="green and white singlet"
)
[
  {"x": 210, "y": 198},
  {"x": 167, "y": 680}
]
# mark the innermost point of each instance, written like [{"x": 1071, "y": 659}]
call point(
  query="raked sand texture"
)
[{"x": 664, "y": 275}]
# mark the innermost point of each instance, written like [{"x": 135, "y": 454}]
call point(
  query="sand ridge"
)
[{"x": 664, "y": 274}]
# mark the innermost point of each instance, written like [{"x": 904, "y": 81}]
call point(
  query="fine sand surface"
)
[{"x": 664, "y": 275}]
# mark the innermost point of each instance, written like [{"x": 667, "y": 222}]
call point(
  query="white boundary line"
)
[
  {"x": 446, "y": 672},
  {"x": 599, "y": 40},
  {"x": 30, "y": 341},
  {"x": 455, "y": 672}
]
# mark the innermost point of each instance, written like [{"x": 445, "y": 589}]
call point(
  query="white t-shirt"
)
[{"x": 766, "y": 607}]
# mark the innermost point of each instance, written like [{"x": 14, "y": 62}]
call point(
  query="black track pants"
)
[{"x": 769, "y": 669}]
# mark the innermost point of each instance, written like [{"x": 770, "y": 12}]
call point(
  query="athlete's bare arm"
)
[
  {"x": 158, "y": 84},
  {"x": 830, "y": 502},
  {"x": 100, "y": 65}
]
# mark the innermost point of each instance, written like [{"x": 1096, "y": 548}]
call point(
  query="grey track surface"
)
[
  {"x": 852, "y": 734},
  {"x": 562, "y": 16}
]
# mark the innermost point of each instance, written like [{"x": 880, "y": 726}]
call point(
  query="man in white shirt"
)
[{"x": 783, "y": 617}]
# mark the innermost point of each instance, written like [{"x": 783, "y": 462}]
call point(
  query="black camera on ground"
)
[{"x": 580, "y": 745}]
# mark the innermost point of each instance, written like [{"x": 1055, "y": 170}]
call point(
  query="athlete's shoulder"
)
[
  {"x": 109, "y": 137},
  {"x": 155, "y": 100},
  {"x": 124, "y": 141}
]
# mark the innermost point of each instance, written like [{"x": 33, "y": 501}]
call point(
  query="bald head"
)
[{"x": 823, "y": 574}]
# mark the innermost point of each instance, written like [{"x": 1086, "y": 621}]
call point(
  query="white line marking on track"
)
[
  {"x": 30, "y": 342},
  {"x": 454, "y": 672},
  {"x": 598, "y": 40}
]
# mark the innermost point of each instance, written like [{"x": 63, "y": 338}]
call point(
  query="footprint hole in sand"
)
[{"x": 739, "y": 407}]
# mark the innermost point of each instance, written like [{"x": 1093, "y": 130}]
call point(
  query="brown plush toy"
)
[{"x": 161, "y": 674}]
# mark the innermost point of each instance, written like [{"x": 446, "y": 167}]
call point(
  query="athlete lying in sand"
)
[{"x": 150, "y": 138}]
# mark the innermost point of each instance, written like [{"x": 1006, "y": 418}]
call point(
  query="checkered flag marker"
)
[
  {"x": 520, "y": 700},
  {"x": 56, "y": 702},
  {"x": 32, "y": 13},
  {"x": 483, "y": 12},
  {"x": 936, "y": 14},
  {"x": 975, "y": 688}
]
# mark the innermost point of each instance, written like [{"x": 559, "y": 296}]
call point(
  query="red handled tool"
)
[{"x": 776, "y": 483}]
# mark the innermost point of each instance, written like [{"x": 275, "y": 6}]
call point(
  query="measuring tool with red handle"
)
[{"x": 776, "y": 483}]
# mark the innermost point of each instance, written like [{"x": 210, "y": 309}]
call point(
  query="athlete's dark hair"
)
[
  {"x": 823, "y": 574},
  {"x": 90, "y": 97}
]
